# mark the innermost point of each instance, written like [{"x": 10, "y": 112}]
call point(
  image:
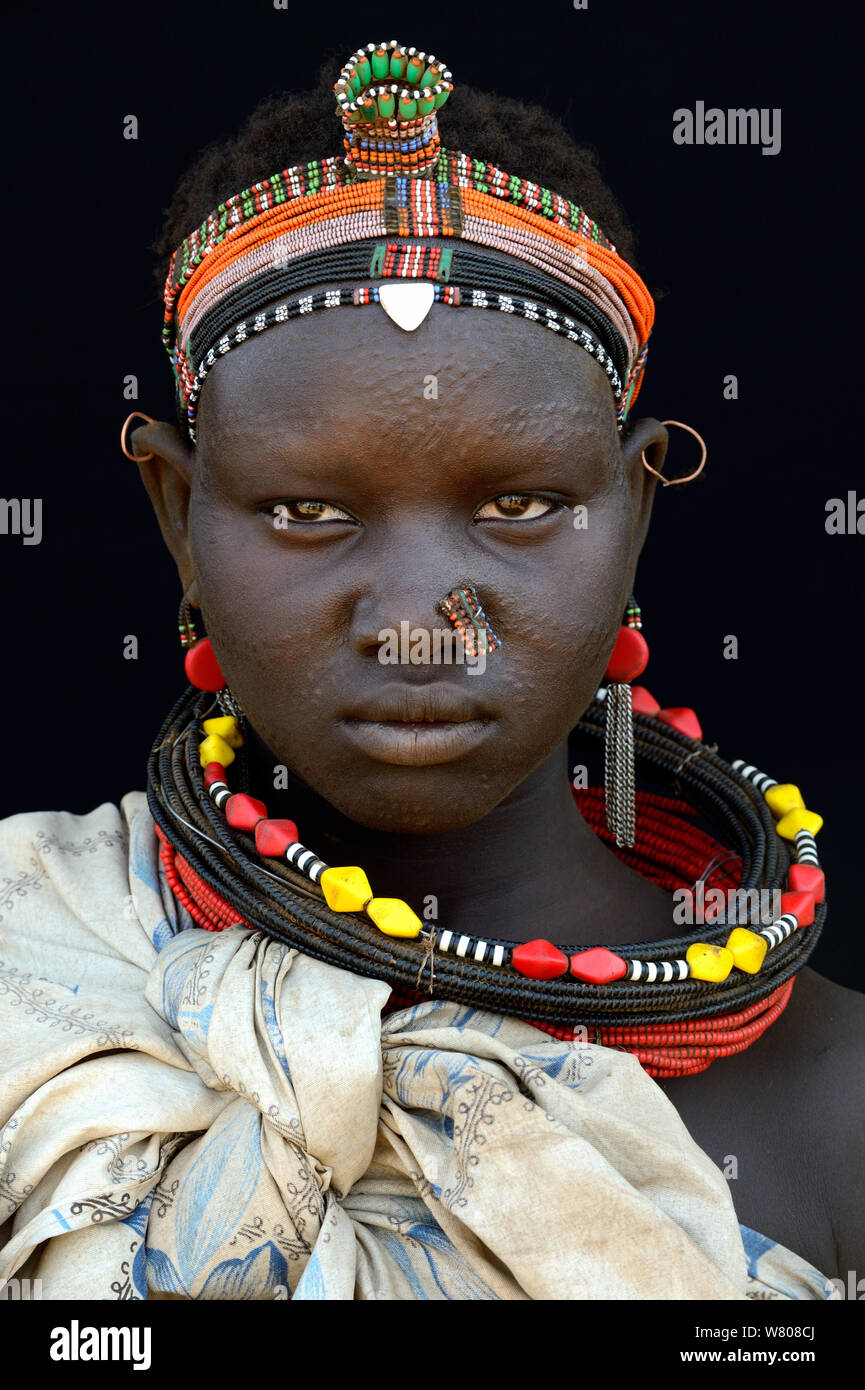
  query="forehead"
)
[{"x": 343, "y": 371}]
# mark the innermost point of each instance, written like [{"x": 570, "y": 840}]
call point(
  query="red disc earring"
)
[
  {"x": 202, "y": 668},
  {"x": 200, "y": 663},
  {"x": 630, "y": 655}
]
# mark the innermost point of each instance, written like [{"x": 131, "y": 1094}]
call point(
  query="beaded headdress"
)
[{"x": 366, "y": 217}]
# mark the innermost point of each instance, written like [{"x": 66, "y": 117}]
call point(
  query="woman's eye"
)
[
  {"x": 285, "y": 514},
  {"x": 516, "y": 506}
]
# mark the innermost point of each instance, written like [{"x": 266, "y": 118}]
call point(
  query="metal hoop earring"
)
[
  {"x": 136, "y": 458},
  {"x": 673, "y": 482}
]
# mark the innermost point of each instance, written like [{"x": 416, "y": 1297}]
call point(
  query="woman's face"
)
[{"x": 346, "y": 478}]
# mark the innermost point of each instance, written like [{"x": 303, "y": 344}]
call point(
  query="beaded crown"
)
[{"x": 364, "y": 217}]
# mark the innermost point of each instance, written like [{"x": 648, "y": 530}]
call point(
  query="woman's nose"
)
[{"x": 410, "y": 583}]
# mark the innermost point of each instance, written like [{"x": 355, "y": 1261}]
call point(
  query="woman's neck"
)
[{"x": 530, "y": 868}]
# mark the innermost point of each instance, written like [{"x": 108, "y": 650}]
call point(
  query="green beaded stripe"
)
[{"x": 311, "y": 177}]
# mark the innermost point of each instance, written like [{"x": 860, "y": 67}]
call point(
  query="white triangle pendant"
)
[{"x": 407, "y": 303}]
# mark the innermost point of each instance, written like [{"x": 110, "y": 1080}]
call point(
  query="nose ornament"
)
[{"x": 462, "y": 607}]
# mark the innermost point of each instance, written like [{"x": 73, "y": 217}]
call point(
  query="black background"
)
[{"x": 754, "y": 260}]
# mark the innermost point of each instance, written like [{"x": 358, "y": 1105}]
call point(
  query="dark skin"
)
[{"x": 390, "y": 499}]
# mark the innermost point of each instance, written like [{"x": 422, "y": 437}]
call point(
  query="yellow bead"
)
[
  {"x": 345, "y": 890},
  {"x": 393, "y": 917},
  {"x": 227, "y": 727},
  {"x": 747, "y": 949},
  {"x": 709, "y": 962},
  {"x": 783, "y": 798},
  {"x": 794, "y": 821},
  {"x": 214, "y": 749}
]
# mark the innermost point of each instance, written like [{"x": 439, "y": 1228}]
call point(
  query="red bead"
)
[
  {"x": 802, "y": 904},
  {"x": 202, "y": 667},
  {"x": 273, "y": 837},
  {"x": 807, "y": 878},
  {"x": 629, "y": 657},
  {"x": 598, "y": 966},
  {"x": 642, "y": 701},
  {"x": 214, "y": 772},
  {"x": 539, "y": 960},
  {"x": 685, "y": 720},
  {"x": 244, "y": 812}
]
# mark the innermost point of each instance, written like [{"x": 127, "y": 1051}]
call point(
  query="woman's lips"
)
[{"x": 415, "y": 744}]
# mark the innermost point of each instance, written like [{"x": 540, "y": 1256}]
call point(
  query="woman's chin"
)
[{"x": 399, "y": 804}]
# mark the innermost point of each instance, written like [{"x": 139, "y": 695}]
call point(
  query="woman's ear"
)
[
  {"x": 167, "y": 476},
  {"x": 649, "y": 436}
]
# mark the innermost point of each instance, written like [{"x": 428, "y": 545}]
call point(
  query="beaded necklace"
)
[{"x": 677, "y": 1004}]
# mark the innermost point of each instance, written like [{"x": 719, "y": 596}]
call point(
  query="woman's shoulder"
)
[
  {"x": 829, "y": 1018},
  {"x": 826, "y": 1059},
  {"x": 39, "y": 849},
  {"x": 816, "y": 1050},
  {"x": 789, "y": 1110},
  {"x": 67, "y": 833},
  {"x": 68, "y": 880}
]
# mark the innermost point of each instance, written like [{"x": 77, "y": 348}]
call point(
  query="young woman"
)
[{"x": 367, "y": 995}]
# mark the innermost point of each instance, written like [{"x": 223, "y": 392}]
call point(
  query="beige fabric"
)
[{"x": 194, "y": 1114}]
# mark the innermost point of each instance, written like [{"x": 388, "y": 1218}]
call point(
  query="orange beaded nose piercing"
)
[
  {"x": 462, "y": 607},
  {"x": 689, "y": 477},
  {"x": 139, "y": 415}
]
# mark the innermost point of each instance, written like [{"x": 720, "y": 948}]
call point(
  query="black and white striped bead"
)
[
  {"x": 471, "y": 948},
  {"x": 780, "y": 930},
  {"x": 664, "y": 971},
  {"x": 806, "y": 848},
  {"x": 219, "y": 794},
  {"x": 303, "y": 859},
  {"x": 753, "y": 774},
  {"x": 296, "y": 854}
]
